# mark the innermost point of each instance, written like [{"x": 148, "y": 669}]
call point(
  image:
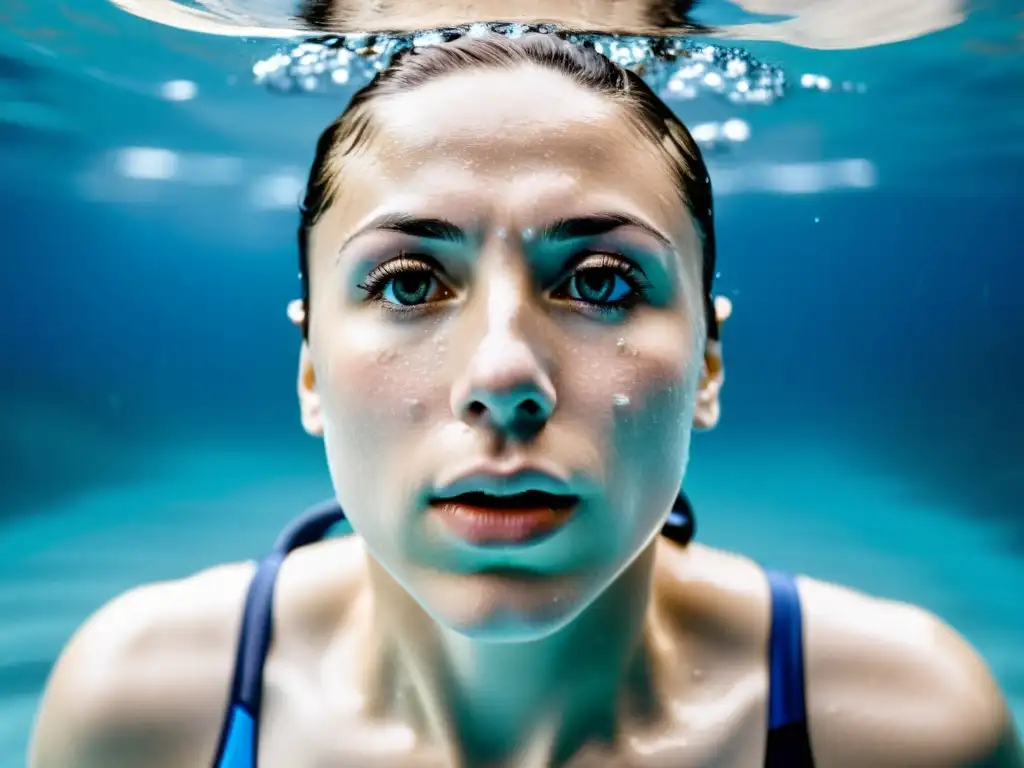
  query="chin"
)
[
  {"x": 508, "y": 628},
  {"x": 503, "y": 608}
]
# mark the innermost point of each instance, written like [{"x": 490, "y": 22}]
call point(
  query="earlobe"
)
[
  {"x": 708, "y": 408},
  {"x": 309, "y": 398}
]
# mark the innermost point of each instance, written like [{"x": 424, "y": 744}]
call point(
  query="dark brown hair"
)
[
  {"x": 338, "y": 15},
  {"x": 582, "y": 65}
]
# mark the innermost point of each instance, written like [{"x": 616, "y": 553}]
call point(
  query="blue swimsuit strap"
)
[
  {"x": 240, "y": 734},
  {"x": 789, "y": 744}
]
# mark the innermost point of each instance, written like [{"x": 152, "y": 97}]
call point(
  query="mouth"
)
[{"x": 523, "y": 517}]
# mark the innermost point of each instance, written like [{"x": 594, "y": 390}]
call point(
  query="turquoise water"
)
[{"x": 872, "y": 423}]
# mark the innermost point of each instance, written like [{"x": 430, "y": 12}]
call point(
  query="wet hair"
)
[
  {"x": 337, "y": 15},
  {"x": 584, "y": 66}
]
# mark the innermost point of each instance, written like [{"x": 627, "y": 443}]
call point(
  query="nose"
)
[{"x": 505, "y": 388}]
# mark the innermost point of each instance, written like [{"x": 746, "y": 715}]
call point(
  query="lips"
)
[
  {"x": 486, "y": 518},
  {"x": 525, "y": 501}
]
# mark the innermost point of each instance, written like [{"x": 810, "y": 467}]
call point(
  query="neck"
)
[{"x": 530, "y": 701}]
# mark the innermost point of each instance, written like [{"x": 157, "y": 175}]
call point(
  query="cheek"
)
[
  {"x": 646, "y": 375},
  {"x": 378, "y": 386},
  {"x": 640, "y": 396},
  {"x": 375, "y": 377}
]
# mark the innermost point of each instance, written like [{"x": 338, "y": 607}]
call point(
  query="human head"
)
[{"x": 450, "y": 215}]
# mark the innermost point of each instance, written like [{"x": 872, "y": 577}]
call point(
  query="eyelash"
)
[{"x": 378, "y": 279}]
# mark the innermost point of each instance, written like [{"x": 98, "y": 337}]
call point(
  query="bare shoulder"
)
[
  {"x": 145, "y": 679},
  {"x": 889, "y": 684}
]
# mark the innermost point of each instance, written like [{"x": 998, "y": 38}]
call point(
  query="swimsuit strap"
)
[
  {"x": 240, "y": 734},
  {"x": 789, "y": 744},
  {"x": 681, "y": 525}
]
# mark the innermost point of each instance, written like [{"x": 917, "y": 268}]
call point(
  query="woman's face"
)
[{"x": 504, "y": 345}]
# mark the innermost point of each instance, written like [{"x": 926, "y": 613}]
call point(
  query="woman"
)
[{"x": 507, "y": 250}]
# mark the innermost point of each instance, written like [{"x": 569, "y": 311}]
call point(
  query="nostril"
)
[
  {"x": 507, "y": 411},
  {"x": 531, "y": 407}
]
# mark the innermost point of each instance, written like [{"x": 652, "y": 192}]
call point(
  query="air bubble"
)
[
  {"x": 673, "y": 66},
  {"x": 620, "y": 401}
]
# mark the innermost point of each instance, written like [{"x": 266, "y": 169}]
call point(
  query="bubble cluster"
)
[{"x": 673, "y": 66}]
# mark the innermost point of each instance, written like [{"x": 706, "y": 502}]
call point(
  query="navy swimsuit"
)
[{"x": 788, "y": 743}]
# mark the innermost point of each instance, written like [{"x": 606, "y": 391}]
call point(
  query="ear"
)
[
  {"x": 309, "y": 398},
  {"x": 708, "y": 408}
]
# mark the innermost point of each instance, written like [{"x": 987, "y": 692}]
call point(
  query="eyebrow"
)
[
  {"x": 422, "y": 228},
  {"x": 598, "y": 224},
  {"x": 412, "y": 226},
  {"x": 574, "y": 228}
]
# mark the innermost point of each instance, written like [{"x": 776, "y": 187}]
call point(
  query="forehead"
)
[{"x": 521, "y": 145}]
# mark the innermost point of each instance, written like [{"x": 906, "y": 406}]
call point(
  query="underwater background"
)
[{"x": 869, "y": 228}]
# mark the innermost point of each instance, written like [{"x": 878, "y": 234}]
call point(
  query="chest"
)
[{"x": 721, "y": 724}]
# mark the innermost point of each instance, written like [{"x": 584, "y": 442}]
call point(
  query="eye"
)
[
  {"x": 603, "y": 281},
  {"x": 598, "y": 286},
  {"x": 410, "y": 288},
  {"x": 406, "y": 282}
]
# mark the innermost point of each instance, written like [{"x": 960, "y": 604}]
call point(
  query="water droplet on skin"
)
[
  {"x": 502, "y": 233},
  {"x": 414, "y": 408},
  {"x": 620, "y": 401},
  {"x": 623, "y": 348},
  {"x": 528, "y": 234}
]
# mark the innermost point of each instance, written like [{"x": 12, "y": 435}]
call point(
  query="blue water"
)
[{"x": 869, "y": 238}]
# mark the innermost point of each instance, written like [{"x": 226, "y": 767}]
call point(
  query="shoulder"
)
[
  {"x": 155, "y": 661},
  {"x": 889, "y": 684},
  {"x": 146, "y": 680}
]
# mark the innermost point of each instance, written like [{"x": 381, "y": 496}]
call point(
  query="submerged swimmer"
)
[{"x": 508, "y": 247}]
